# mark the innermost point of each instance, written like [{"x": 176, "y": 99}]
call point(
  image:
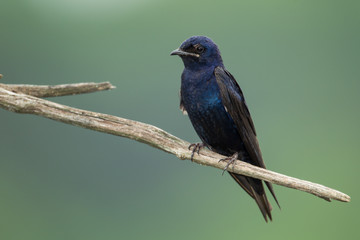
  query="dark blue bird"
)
[{"x": 217, "y": 109}]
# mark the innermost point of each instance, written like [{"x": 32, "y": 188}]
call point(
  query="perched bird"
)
[{"x": 216, "y": 106}]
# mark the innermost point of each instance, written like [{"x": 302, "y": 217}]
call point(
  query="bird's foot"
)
[
  {"x": 196, "y": 148},
  {"x": 230, "y": 160}
]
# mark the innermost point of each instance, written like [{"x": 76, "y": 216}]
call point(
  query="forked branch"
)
[{"x": 16, "y": 98}]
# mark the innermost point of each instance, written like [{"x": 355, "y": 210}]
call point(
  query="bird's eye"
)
[{"x": 200, "y": 49}]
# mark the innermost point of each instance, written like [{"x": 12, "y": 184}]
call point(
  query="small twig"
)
[
  {"x": 43, "y": 91},
  {"x": 152, "y": 136}
]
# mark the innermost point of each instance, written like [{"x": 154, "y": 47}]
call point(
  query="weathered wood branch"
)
[
  {"x": 11, "y": 99},
  {"x": 43, "y": 91}
]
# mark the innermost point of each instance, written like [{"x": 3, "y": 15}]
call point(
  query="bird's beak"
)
[{"x": 180, "y": 52}]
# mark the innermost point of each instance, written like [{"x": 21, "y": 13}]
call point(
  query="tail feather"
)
[
  {"x": 271, "y": 189},
  {"x": 263, "y": 204},
  {"x": 254, "y": 187}
]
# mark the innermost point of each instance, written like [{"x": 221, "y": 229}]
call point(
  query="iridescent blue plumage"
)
[
  {"x": 217, "y": 110},
  {"x": 202, "y": 101}
]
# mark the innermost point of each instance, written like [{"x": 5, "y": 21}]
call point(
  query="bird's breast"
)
[{"x": 209, "y": 117}]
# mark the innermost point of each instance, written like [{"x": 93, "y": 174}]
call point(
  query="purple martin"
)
[{"x": 217, "y": 109}]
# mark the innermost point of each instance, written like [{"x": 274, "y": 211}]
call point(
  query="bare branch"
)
[
  {"x": 44, "y": 91},
  {"x": 153, "y": 136}
]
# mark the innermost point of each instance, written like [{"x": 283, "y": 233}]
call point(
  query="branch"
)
[
  {"x": 141, "y": 132},
  {"x": 43, "y": 91}
]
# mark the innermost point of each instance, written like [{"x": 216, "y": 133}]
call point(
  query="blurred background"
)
[{"x": 296, "y": 61}]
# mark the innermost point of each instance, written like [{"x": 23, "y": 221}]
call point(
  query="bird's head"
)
[{"x": 199, "y": 51}]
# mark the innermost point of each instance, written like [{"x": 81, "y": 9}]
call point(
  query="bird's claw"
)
[
  {"x": 196, "y": 148},
  {"x": 230, "y": 160}
]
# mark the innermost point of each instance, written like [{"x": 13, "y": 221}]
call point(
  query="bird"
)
[{"x": 217, "y": 109}]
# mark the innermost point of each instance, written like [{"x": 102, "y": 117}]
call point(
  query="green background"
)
[{"x": 296, "y": 61}]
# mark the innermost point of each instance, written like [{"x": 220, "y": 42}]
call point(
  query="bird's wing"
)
[{"x": 234, "y": 103}]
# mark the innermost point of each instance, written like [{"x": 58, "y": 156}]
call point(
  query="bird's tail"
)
[{"x": 254, "y": 187}]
